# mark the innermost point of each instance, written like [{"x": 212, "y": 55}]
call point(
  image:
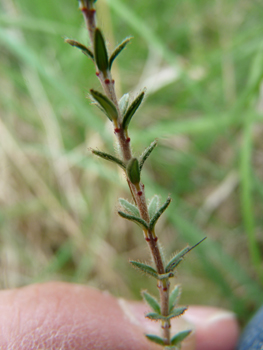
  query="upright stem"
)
[
  {"x": 89, "y": 14},
  {"x": 86, "y": 6}
]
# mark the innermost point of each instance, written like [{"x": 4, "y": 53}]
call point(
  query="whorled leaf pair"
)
[
  {"x": 133, "y": 167},
  {"x": 104, "y": 64},
  {"x": 174, "y": 311}
]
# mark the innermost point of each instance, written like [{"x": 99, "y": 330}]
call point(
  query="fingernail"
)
[
  {"x": 220, "y": 316},
  {"x": 207, "y": 315}
]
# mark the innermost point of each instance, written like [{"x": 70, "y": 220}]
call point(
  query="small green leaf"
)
[
  {"x": 158, "y": 214},
  {"x": 143, "y": 224},
  {"x": 123, "y": 103},
  {"x": 146, "y": 153},
  {"x": 174, "y": 297},
  {"x": 109, "y": 157},
  {"x": 153, "y": 205},
  {"x": 105, "y": 103},
  {"x": 175, "y": 261},
  {"x": 152, "y": 302},
  {"x": 100, "y": 52},
  {"x": 133, "y": 171},
  {"x": 80, "y": 46},
  {"x": 155, "y": 316},
  {"x": 177, "y": 312},
  {"x": 155, "y": 339},
  {"x": 118, "y": 50},
  {"x": 145, "y": 268},
  {"x": 179, "y": 337},
  {"x": 131, "y": 110},
  {"x": 130, "y": 208}
]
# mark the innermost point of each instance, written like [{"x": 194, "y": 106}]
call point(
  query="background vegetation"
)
[{"x": 202, "y": 63}]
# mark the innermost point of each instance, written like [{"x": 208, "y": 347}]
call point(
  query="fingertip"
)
[
  {"x": 216, "y": 329},
  {"x": 53, "y": 314}
]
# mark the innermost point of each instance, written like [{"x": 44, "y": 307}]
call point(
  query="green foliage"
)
[
  {"x": 153, "y": 205},
  {"x": 130, "y": 208},
  {"x": 124, "y": 103},
  {"x": 143, "y": 224},
  {"x": 152, "y": 302},
  {"x": 178, "y": 311},
  {"x": 81, "y": 47},
  {"x": 133, "y": 171},
  {"x": 158, "y": 213},
  {"x": 174, "y": 297},
  {"x": 146, "y": 153},
  {"x": 105, "y": 104},
  {"x": 179, "y": 337},
  {"x": 155, "y": 339},
  {"x": 109, "y": 157},
  {"x": 175, "y": 313},
  {"x": 131, "y": 110},
  {"x": 175, "y": 261},
  {"x": 100, "y": 52},
  {"x": 148, "y": 270},
  {"x": 118, "y": 50},
  {"x": 204, "y": 118}
]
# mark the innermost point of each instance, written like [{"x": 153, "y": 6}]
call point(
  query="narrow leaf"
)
[
  {"x": 108, "y": 157},
  {"x": 133, "y": 171},
  {"x": 130, "y": 208},
  {"x": 175, "y": 261},
  {"x": 100, "y": 51},
  {"x": 153, "y": 205},
  {"x": 106, "y": 104},
  {"x": 123, "y": 103},
  {"x": 158, "y": 214},
  {"x": 131, "y": 110},
  {"x": 155, "y": 339},
  {"x": 118, "y": 50},
  {"x": 80, "y": 46},
  {"x": 152, "y": 302},
  {"x": 177, "y": 312},
  {"x": 144, "y": 268},
  {"x": 179, "y": 337},
  {"x": 174, "y": 297},
  {"x": 143, "y": 224},
  {"x": 155, "y": 316},
  {"x": 146, "y": 153}
]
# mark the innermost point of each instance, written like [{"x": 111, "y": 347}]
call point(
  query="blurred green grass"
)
[{"x": 202, "y": 63}]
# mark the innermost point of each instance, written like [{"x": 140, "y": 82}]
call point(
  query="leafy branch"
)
[{"x": 120, "y": 112}]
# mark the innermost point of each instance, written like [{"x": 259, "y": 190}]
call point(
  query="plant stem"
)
[
  {"x": 89, "y": 14},
  {"x": 137, "y": 191}
]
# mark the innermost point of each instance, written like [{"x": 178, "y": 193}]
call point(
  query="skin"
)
[{"x": 58, "y": 316}]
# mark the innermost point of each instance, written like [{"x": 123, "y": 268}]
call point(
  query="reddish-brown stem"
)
[
  {"x": 138, "y": 194},
  {"x": 89, "y": 14},
  {"x": 152, "y": 242}
]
